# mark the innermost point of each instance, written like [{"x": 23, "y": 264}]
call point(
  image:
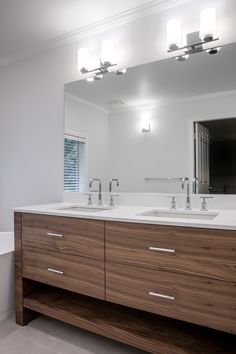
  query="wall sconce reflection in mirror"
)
[
  {"x": 145, "y": 122},
  {"x": 146, "y": 127},
  {"x": 194, "y": 42},
  {"x": 98, "y": 66}
]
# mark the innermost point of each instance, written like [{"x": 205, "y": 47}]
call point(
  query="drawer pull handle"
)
[
  {"x": 54, "y": 235},
  {"x": 55, "y": 271},
  {"x": 168, "y": 250},
  {"x": 162, "y": 296}
]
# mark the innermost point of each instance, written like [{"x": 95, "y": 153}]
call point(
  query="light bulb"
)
[
  {"x": 182, "y": 57},
  {"x": 98, "y": 76},
  {"x": 174, "y": 34},
  {"x": 121, "y": 71},
  {"x": 208, "y": 24},
  {"x": 94, "y": 63},
  {"x": 214, "y": 50},
  {"x": 107, "y": 52},
  {"x": 83, "y": 58},
  {"x": 90, "y": 79}
]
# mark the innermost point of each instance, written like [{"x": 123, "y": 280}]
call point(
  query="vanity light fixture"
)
[
  {"x": 97, "y": 67},
  {"x": 194, "y": 41}
]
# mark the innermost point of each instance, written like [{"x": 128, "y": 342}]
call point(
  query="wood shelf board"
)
[{"x": 154, "y": 334}]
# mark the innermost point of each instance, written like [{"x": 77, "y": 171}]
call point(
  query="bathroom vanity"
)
[{"x": 164, "y": 287}]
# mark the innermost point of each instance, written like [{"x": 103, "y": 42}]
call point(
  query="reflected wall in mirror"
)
[{"x": 141, "y": 127}]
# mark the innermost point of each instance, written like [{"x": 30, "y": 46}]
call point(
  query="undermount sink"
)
[
  {"x": 78, "y": 208},
  {"x": 180, "y": 214}
]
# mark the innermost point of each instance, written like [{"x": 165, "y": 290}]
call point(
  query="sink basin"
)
[
  {"x": 180, "y": 214},
  {"x": 77, "y": 208}
]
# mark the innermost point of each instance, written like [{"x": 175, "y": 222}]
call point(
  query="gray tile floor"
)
[{"x": 48, "y": 336}]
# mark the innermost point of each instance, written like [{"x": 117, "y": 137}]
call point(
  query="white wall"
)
[
  {"x": 92, "y": 122},
  {"x": 167, "y": 151},
  {"x": 32, "y": 112},
  {"x": 32, "y": 116}
]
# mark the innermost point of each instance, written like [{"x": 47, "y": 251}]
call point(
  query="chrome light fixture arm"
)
[
  {"x": 103, "y": 69},
  {"x": 101, "y": 64},
  {"x": 194, "y": 47}
]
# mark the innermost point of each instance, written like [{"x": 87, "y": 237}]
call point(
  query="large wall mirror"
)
[{"x": 161, "y": 119}]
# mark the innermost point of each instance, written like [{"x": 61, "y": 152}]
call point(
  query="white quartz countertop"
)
[{"x": 225, "y": 219}]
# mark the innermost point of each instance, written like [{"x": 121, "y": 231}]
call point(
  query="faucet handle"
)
[
  {"x": 90, "y": 197},
  {"x": 112, "y": 200},
  {"x": 173, "y": 201},
  {"x": 204, "y": 203}
]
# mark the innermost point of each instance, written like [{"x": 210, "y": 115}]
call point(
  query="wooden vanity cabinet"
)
[
  {"x": 64, "y": 252},
  {"x": 194, "y": 299},
  {"x": 185, "y": 273},
  {"x": 68, "y": 253},
  {"x": 78, "y": 237},
  {"x": 136, "y": 283},
  {"x": 192, "y": 251},
  {"x": 79, "y": 274}
]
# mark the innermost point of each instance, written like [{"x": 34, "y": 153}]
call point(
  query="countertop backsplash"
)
[{"x": 218, "y": 201}]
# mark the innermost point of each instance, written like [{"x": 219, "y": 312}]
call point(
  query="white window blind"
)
[{"x": 74, "y": 163}]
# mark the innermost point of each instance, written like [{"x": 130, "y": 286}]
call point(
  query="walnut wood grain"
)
[
  {"x": 22, "y": 287},
  {"x": 154, "y": 334},
  {"x": 80, "y": 274},
  {"x": 200, "y": 252},
  {"x": 197, "y": 300},
  {"x": 199, "y": 277},
  {"x": 81, "y": 237}
]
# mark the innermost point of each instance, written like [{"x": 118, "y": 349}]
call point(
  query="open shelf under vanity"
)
[{"x": 152, "y": 333}]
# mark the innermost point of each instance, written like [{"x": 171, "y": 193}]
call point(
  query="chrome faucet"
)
[
  {"x": 185, "y": 180},
  {"x": 173, "y": 201},
  {"x": 112, "y": 202},
  {"x": 204, "y": 203},
  {"x": 110, "y": 183},
  {"x": 99, "y": 189},
  {"x": 195, "y": 183}
]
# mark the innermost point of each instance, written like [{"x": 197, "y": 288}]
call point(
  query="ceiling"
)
[
  {"x": 26, "y": 24},
  {"x": 162, "y": 81},
  {"x": 30, "y": 26}
]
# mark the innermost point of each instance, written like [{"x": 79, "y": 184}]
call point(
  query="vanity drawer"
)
[
  {"x": 200, "y": 252},
  {"x": 63, "y": 234},
  {"x": 78, "y": 274},
  {"x": 198, "y": 300}
]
